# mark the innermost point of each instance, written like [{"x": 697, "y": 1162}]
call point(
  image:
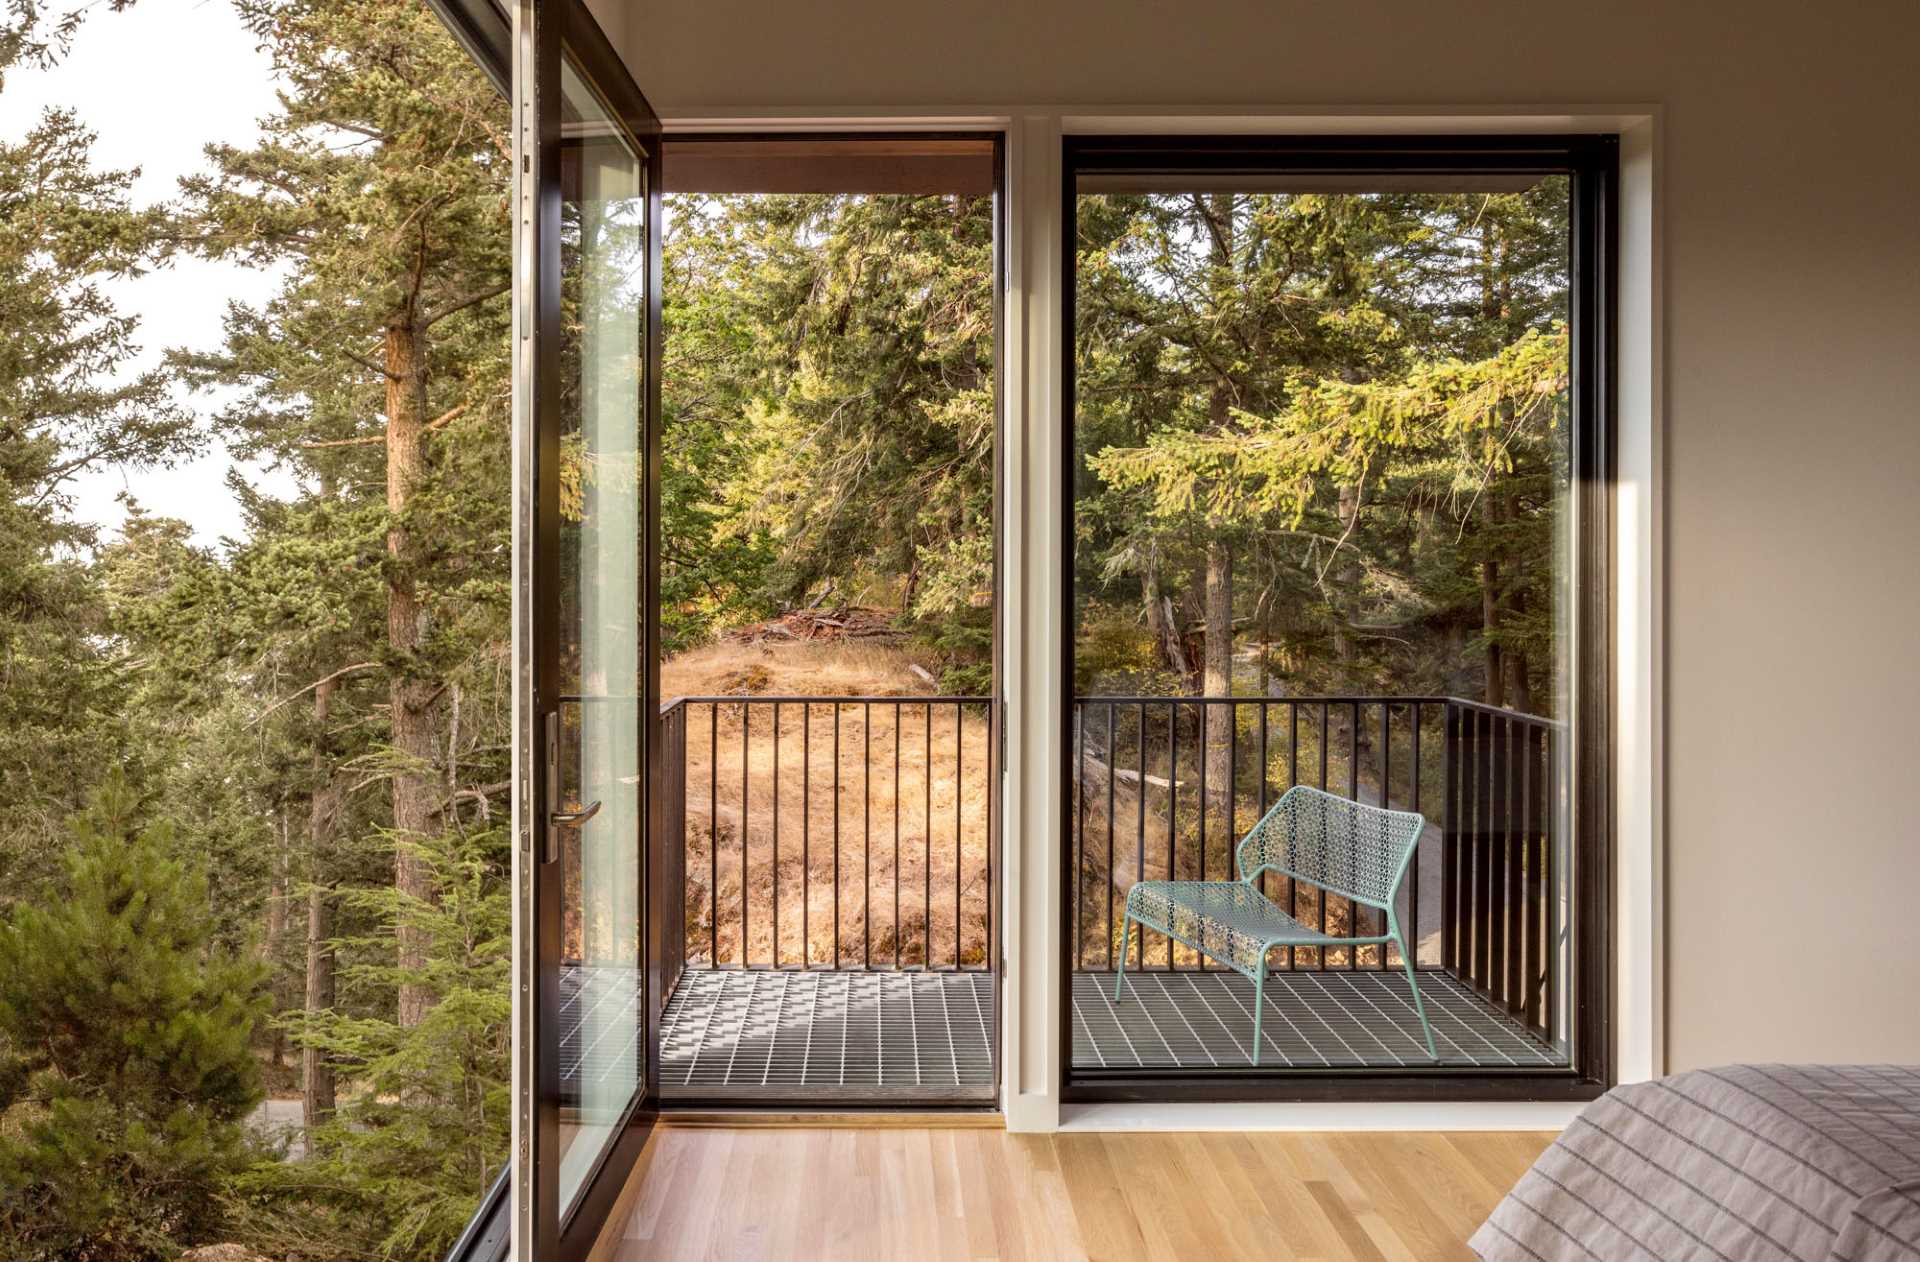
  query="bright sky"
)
[{"x": 157, "y": 83}]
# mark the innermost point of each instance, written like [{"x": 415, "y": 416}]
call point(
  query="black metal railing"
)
[
  {"x": 1501, "y": 923},
  {"x": 1164, "y": 788},
  {"x": 832, "y": 832}
]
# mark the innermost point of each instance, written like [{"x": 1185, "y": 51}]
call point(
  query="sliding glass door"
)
[{"x": 586, "y": 380}]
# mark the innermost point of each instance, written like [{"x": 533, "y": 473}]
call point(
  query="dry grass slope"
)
[{"x": 908, "y": 791}]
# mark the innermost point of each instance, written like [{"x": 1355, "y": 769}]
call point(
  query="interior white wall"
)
[{"x": 1782, "y": 280}]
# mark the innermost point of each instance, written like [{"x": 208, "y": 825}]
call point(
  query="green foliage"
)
[
  {"x": 1114, "y": 647},
  {"x": 1358, "y": 402},
  {"x": 397, "y": 1172},
  {"x": 125, "y": 1070},
  {"x": 1462, "y": 422},
  {"x": 829, "y": 406},
  {"x": 70, "y": 400},
  {"x": 251, "y": 689}
]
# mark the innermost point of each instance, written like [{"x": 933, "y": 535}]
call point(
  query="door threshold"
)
[{"x": 833, "y": 1119}]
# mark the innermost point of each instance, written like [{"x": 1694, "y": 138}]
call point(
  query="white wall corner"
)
[
  {"x": 1639, "y": 788},
  {"x": 1032, "y": 1039}
]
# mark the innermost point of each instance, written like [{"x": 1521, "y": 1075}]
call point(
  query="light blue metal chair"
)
[{"x": 1348, "y": 848}]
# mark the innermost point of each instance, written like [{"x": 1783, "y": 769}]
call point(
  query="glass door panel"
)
[
  {"x": 599, "y": 755},
  {"x": 587, "y": 356}
]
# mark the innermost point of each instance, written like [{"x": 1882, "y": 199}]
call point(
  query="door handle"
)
[
  {"x": 556, "y": 820},
  {"x": 581, "y": 816}
]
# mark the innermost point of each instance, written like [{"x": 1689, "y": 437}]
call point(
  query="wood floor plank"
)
[{"x": 976, "y": 1195}]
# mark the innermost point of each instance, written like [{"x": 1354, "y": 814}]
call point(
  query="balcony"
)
[
  {"x": 835, "y": 939},
  {"x": 1164, "y": 788}
]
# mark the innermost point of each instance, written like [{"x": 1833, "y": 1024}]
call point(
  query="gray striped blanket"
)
[{"x": 1748, "y": 1163}]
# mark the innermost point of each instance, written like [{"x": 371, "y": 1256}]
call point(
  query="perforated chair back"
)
[{"x": 1358, "y": 851}]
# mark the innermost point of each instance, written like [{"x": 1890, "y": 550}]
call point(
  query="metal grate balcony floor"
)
[
  {"x": 1314, "y": 1020},
  {"x": 764, "y": 1035}
]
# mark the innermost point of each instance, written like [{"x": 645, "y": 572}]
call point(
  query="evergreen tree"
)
[
  {"x": 71, "y": 399},
  {"x": 1355, "y": 400},
  {"x": 125, "y": 1068},
  {"x": 829, "y": 405},
  {"x": 397, "y": 1172},
  {"x": 380, "y": 368}
]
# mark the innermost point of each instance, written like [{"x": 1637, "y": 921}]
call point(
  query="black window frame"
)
[{"x": 1592, "y": 164}]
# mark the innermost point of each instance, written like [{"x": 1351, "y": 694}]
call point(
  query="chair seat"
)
[{"x": 1229, "y": 920}]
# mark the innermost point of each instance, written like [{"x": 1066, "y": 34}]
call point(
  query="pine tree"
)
[
  {"x": 381, "y": 364},
  {"x": 71, "y": 399},
  {"x": 396, "y": 1173},
  {"x": 125, "y": 1068}
]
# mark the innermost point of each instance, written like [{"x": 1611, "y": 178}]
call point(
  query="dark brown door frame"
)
[
  {"x": 996, "y": 960},
  {"x": 550, "y": 30}
]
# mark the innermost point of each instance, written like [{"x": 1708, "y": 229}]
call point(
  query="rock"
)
[{"x": 223, "y": 1253}]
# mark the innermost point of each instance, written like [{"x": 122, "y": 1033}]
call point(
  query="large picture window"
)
[{"x": 1336, "y": 614}]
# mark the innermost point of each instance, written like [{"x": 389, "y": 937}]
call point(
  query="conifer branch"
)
[
  {"x": 446, "y": 418},
  {"x": 295, "y": 696}
]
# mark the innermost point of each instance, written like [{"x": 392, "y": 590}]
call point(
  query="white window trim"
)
[{"x": 1032, "y": 570}]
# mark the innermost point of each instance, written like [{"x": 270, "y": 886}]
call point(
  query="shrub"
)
[{"x": 125, "y": 1070}]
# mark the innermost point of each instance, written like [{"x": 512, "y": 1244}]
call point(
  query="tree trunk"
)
[
  {"x": 1217, "y": 680},
  {"x": 276, "y": 939},
  {"x": 1489, "y": 628},
  {"x": 316, "y": 1074},
  {"x": 1162, "y": 625},
  {"x": 417, "y": 801},
  {"x": 1348, "y": 578},
  {"x": 1519, "y": 687},
  {"x": 1217, "y": 672}
]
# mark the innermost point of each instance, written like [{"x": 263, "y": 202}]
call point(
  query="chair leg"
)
[
  {"x": 1419, "y": 1004},
  {"x": 1259, "y": 1008},
  {"x": 1120, "y": 970}
]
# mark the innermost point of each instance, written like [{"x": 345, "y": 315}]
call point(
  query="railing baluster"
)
[
  {"x": 776, "y": 834},
  {"x": 1483, "y": 801},
  {"x": 1080, "y": 837},
  {"x": 899, "y": 713},
  {"x": 1530, "y": 921},
  {"x": 1516, "y": 890},
  {"x": 1450, "y": 838},
  {"x": 1206, "y": 756},
  {"x": 1293, "y": 778},
  {"x": 1460, "y": 910},
  {"x": 989, "y": 950},
  {"x": 926, "y": 846},
  {"x": 713, "y": 834},
  {"x": 1353, "y": 795},
  {"x": 1266, "y": 878},
  {"x": 1173, "y": 799},
  {"x": 1377, "y": 920},
  {"x": 1233, "y": 785},
  {"x": 866, "y": 836},
  {"x": 1140, "y": 820},
  {"x": 1550, "y": 1016},
  {"x": 959, "y": 797},
  {"x": 806, "y": 835},
  {"x": 746, "y": 726},
  {"x": 836, "y": 834},
  {"x": 1113, "y": 766},
  {"x": 1319, "y": 895},
  {"x": 1496, "y": 878},
  {"x": 1411, "y": 931}
]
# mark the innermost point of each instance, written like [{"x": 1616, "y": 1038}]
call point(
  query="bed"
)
[{"x": 1807, "y": 1162}]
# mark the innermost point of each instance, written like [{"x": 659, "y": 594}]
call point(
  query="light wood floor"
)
[{"x": 873, "y": 1195}]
